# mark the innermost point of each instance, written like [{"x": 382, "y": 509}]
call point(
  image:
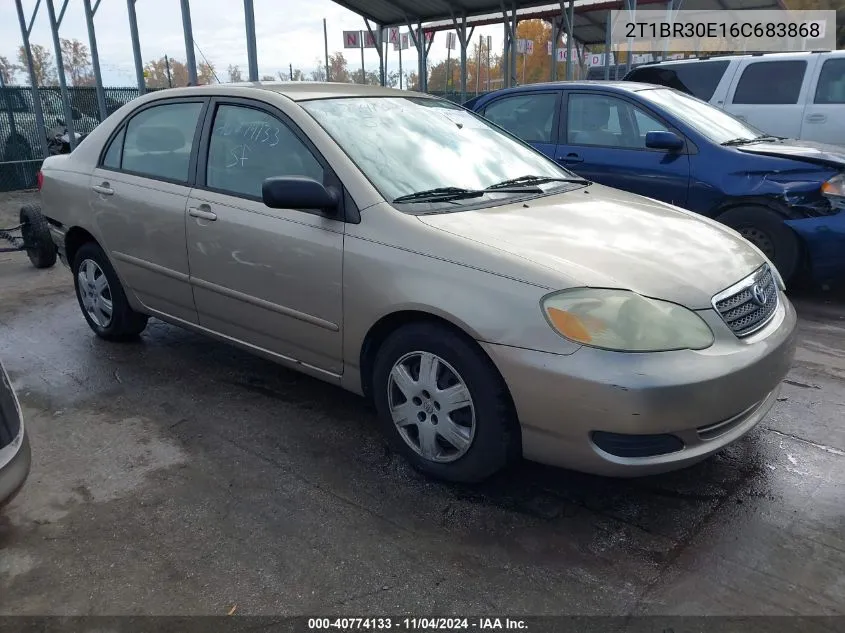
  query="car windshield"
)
[
  {"x": 709, "y": 121},
  {"x": 407, "y": 146}
]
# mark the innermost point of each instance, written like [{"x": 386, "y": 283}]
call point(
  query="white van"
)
[{"x": 796, "y": 95}]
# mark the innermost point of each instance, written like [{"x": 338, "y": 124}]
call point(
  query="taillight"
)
[{"x": 40, "y": 178}]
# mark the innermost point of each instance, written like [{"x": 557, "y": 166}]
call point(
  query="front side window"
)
[
  {"x": 776, "y": 82},
  {"x": 159, "y": 141},
  {"x": 831, "y": 86},
  {"x": 608, "y": 122},
  {"x": 530, "y": 117},
  {"x": 247, "y": 146},
  {"x": 405, "y": 145}
]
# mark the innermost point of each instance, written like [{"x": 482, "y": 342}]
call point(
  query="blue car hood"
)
[{"x": 808, "y": 151}]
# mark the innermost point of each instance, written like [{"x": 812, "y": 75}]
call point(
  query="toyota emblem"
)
[{"x": 758, "y": 295}]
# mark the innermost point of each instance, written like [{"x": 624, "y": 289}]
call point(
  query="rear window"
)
[
  {"x": 770, "y": 83},
  {"x": 699, "y": 79}
]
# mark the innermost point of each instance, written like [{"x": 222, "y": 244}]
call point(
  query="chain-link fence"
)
[{"x": 21, "y": 149}]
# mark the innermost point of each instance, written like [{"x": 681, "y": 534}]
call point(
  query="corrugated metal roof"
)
[{"x": 591, "y": 15}]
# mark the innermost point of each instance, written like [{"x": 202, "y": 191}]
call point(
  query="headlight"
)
[
  {"x": 624, "y": 321},
  {"x": 834, "y": 190}
]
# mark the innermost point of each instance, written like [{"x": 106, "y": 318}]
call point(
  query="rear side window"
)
[
  {"x": 528, "y": 116},
  {"x": 159, "y": 141},
  {"x": 112, "y": 158},
  {"x": 831, "y": 86},
  {"x": 699, "y": 79},
  {"x": 776, "y": 82}
]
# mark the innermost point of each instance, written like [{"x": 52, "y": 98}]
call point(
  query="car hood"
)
[
  {"x": 817, "y": 153},
  {"x": 607, "y": 238}
]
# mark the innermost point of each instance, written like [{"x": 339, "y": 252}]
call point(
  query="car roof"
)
[
  {"x": 766, "y": 56},
  {"x": 295, "y": 90},
  {"x": 611, "y": 86}
]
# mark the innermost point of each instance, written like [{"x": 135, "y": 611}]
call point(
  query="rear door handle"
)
[
  {"x": 816, "y": 118},
  {"x": 103, "y": 189},
  {"x": 203, "y": 214},
  {"x": 571, "y": 158}
]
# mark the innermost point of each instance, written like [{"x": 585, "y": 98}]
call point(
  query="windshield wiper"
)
[
  {"x": 445, "y": 194},
  {"x": 535, "y": 180},
  {"x": 756, "y": 139}
]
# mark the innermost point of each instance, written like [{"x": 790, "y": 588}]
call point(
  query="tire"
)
[
  {"x": 36, "y": 235},
  {"x": 123, "y": 323},
  {"x": 767, "y": 231},
  {"x": 488, "y": 431}
]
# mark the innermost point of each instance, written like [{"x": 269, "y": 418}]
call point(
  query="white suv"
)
[{"x": 796, "y": 95}]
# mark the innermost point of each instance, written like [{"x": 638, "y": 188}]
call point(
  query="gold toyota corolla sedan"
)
[{"x": 491, "y": 303}]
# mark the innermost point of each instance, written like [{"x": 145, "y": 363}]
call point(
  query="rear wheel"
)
[
  {"x": 101, "y": 297},
  {"x": 443, "y": 405},
  {"x": 36, "y": 236},
  {"x": 767, "y": 230}
]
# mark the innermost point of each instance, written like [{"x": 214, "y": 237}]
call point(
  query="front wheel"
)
[
  {"x": 443, "y": 405},
  {"x": 767, "y": 230},
  {"x": 101, "y": 297}
]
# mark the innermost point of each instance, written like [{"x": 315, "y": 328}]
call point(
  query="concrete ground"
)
[{"x": 177, "y": 475}]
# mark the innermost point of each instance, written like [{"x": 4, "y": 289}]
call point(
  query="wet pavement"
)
[{"x": 177, "y": 475}]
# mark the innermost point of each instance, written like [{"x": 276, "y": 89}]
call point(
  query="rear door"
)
[
  {"x": 532, "y": 116},
  {"x": 824, "y": 114},
  {"x": 139, "y": 191},
  {"x": 770, "y": 94},
  {"x": 602, "y": 137}
]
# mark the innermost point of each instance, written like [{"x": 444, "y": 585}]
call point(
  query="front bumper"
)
[{"x": 707, "y": 398}]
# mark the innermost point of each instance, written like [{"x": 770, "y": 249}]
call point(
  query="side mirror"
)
[
  {"x": 663, "y": 140},
  {"x": 298, "y": 192}
]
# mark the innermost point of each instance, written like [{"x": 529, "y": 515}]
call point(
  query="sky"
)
[{"x": 287, "y": 32}]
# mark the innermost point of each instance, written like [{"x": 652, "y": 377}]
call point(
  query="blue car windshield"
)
[{"x": 707, "y": 120}]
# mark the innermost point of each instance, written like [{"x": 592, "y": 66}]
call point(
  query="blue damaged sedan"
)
[{"x": 785, "y": 196}]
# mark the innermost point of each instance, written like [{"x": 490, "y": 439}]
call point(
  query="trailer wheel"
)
[{"x": 36, "y": 236}]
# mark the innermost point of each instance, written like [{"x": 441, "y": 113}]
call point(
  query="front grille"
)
[{"x": 749, "y": 305}]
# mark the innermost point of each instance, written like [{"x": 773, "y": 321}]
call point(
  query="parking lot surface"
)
[{"x": 177, "y": 475}]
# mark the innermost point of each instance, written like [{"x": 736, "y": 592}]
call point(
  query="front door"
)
[
  {"x": 271, "y": 278},
  {"x": 138, "y": 196},
  {"x": 603, "y": 139}
]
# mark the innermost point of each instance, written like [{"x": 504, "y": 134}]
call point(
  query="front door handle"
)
[
  {"x": 103, "y": 189},
  {"x": 816, "y": 118},
  {"x": 202, "y": 213},
  {"x": 571, "y": 159}
]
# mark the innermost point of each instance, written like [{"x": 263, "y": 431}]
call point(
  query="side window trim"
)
[
  {"x": 124, "y": 124},
  {"x": 689, "y": 146},
  {"x": 523, "y": 93},
  {"x": 204, "y": 144}
]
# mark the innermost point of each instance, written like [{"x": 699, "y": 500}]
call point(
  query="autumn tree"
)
[
  {"x": 76, "y": 61},
  {"x": 338, "y": 71},
  {"x": 156, "y": 73},
  {"x": 8, "y": 71},
  {"x": 234, "y": 74},
  {"x": 371, "y": 78},
  {"x": 42, "y": 64}
]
